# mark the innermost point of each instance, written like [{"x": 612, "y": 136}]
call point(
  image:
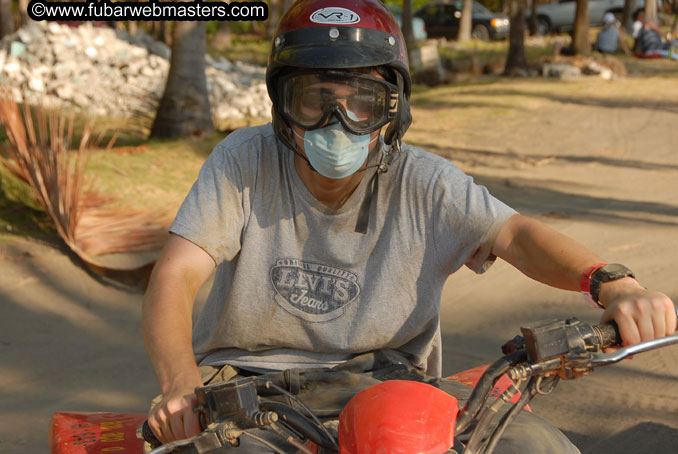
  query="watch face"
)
[
  {"x": 607, "y": 273},
  {"x": 614, "y": 271}
]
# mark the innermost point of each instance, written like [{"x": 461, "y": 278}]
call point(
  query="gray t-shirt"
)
[{"x": 296, "y": 286}]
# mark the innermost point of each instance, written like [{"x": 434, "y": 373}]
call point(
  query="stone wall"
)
[{"x": 110, "y": 73}]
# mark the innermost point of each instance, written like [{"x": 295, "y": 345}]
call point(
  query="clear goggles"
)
[{"x": 363, "y": 103}]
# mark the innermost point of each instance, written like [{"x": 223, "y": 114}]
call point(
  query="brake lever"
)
[
  {"x": 574, "y": 365},
  {"x": 604, "y": 359},
  {"x": 214, "y": 437},
  {"x": 171, "y": 446}
]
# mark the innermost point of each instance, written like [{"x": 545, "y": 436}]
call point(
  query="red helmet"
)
[{"x": 339, "y": 35}]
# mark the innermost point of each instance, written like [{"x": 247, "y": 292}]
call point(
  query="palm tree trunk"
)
[
  {"x": 167, "y": 27},
  {"x": 273, "y": 17},
  {"x": 222, "y": 39},
  {"x": 516, "y": 59},
  {"x": 23, "y": 12},
  {"x": 465, "y": 23},
  {"x": 533, "y": 17},
  {"x": 6, "y": 20},
  {"x": 132, "y": 27},
  {"x": 651, "y": 10},
  {"x": 580, "y": 36},
  {"x": 406, "y": 19},
  {"x": 629, "y": 8},
  {"x": 185, "y": 107}
]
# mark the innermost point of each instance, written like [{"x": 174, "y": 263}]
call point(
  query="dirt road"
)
[{"x": 596, "y": 160}]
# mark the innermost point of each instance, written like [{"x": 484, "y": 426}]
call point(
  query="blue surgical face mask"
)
[{"x": 334, "y": 152}]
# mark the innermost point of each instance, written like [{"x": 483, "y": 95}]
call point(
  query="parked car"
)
[
  {"x": 442, "y": 20},
  {"x": 559, "y": 16},
  {"x": 418, "y": 25}
]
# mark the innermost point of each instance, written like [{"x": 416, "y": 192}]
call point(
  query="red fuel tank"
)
[{"x": 398, "y": 417}]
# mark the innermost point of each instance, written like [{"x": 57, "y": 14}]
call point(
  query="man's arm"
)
[
  {"x": 653, "y": 25},
  {"x": 621, "y": 36},
  {"x": 559, "y": 261},
  {"x": 167, "y": 321}
]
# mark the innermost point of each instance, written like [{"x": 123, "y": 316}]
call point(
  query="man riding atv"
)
[{"x": 329, "y": 237}]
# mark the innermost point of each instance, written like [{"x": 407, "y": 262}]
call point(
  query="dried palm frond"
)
[
  {"x": 104, "y": 229},
  {"x": 89, "y": 222}
]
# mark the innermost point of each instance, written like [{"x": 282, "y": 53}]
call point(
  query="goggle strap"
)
[
  {"x": 393, "y": 105},
  {"x": 394, "y": 131}
]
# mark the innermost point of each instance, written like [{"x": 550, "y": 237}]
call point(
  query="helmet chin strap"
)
[
  {"x": 387, "y": 156},
  {"x": 392, "y": 136}
]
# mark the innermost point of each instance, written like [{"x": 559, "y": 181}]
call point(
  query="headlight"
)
[{"x": 498, "y": 23}]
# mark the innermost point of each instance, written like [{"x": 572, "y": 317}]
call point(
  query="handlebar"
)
[
  {"x": 608, "y": 334},
  {"x": 551, "y": 351},
  {"x": 148, "y": 435},
  {"x": 571, "y": 348}
]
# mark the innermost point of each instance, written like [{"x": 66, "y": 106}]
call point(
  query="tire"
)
[
  {"x": 480, "y": 32},
  {"x": 543, "y": 26}
]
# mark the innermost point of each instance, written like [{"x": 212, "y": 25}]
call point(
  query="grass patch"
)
[
  {"x": 254, "y": 51},
  {"x": 150, "y": 174},
  {"x": 20, "y": 214},
  {"x": 492, "y": 50},
  {"x": 157, "y": 174}
]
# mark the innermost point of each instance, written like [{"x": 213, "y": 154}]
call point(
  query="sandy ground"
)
[{"x": 69, "y": 341}]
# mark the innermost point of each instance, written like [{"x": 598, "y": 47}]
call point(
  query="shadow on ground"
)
[
  {"x": 458, "y": 101},
  {"x": 67, "y": 343},
  {"x": 647, "y": 437}
]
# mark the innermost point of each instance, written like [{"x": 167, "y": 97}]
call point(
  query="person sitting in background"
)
[
  {"x": 611, "y": 36},
  {"x": 638, "y": 19},
  {"x": 653, "y": 42}
]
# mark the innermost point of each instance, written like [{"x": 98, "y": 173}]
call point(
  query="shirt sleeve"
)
[
  {"x": 467, "y": 219},
  {"x": 212, "y": 214}
]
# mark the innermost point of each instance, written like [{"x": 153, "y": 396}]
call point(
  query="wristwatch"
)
[{"x": 610, "y": 272}]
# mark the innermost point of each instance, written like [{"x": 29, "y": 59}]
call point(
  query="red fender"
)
[
  {"x": 95, "y": 433},
  {"x": 398, "y": 417}
]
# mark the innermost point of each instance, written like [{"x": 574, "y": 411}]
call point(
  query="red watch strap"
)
[{"x": 585, "y": 282}]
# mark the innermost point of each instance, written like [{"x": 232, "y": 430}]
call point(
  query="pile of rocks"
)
[
  {"x": 572, "y": 68},
  {"x": 110, "y": 73}
]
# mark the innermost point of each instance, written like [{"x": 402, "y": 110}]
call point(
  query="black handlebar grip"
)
[
  {"x": 608, "y": 334},
  {"x": 149, "y": 436}
]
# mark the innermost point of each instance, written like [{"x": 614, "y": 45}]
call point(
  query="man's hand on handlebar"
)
[
  {"x": 641, "y": 314},
  {"x": 173, "y": 418}
]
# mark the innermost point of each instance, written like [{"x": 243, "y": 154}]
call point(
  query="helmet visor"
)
[{"x": 363, "y": 103}]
